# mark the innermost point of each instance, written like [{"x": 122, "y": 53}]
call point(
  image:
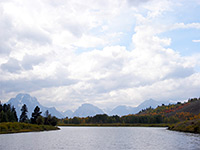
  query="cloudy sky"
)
[{"x": 103, "y": 52}]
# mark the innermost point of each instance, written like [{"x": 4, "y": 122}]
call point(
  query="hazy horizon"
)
[{"x": 107, "y": 53}]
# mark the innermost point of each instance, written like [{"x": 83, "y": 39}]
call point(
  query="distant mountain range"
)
[
  {"x": 31, "y": 103},
  {"x": 125, "y": 110},
  {"x": 83, "y": 111}
]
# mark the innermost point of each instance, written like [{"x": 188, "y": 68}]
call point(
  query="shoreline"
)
[
  {"x": 17, "y": 127},
  {"x": 191, "y": 126},
  {"x": 115, "y": 125},
  {"x": 171, "y": 127}
]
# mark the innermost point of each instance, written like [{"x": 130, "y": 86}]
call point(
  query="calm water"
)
[{"x": 101, "y": 138}]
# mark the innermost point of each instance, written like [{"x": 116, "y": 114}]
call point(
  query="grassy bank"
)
[
  {"x": 16, "y": 127},
  {"x": 192, "y": 126},
  {"x": 117, "y": 125}
]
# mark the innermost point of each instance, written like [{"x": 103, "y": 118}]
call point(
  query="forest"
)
[{"x": 8, "y": 114}]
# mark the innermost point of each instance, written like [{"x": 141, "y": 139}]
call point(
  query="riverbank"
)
[
  {"x": 186, "y": 126},
  {"x": 17, "y": 127},
  {"x": 116, "y": 125},
  {"x": 192, "y": 126}
]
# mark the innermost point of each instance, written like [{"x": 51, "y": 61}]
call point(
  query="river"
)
[{"x": 101, "y": 138}]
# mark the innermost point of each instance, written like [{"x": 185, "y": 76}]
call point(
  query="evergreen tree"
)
[
  {"x": 6, "y": 107},
  {"x": 23, "y": 116},
  {"x": 3, "y": 117},
  {"x": 35, "y": 115},
  {"x": 54, "y": 121},
  {"x": 10, "y": 116},
  {"x": 46, "y": 114},
  {"x": 15, "y": 114},
  {"x": 47, "y": 119},
  {"x": 40, "y": 120},
  {"x": 7, "y": 113},
  {"x": 1, "y": 107}
]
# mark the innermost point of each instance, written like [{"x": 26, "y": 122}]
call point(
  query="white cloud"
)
[
  {"x": 11, "y": 66},
  {"x": 41, "y": 39},
  {"x": 196, "y": 41},
  {"x": 186, "y": 26},
  {"x": 87, "y": 41},
  {"x": 29, "y": 61}
]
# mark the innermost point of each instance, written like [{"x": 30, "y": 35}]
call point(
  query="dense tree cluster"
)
[
  {"x": 49, "y": 120},
  {"x": 8, "y": 114},
  {"x": 130, "y": 119},
  {"x": 105, "y": 119}
]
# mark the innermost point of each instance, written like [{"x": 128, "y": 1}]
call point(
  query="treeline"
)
[
  {"x": 167, "y": 114},
  {"x": 8, "y": 114},
  {"x": 130, "y": 119},
  {"x": 105, "y": 119}
]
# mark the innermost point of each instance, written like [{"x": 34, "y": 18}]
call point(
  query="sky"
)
[{"x": 103, "y": 52}]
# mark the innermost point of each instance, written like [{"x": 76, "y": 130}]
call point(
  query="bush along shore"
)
[
  {"x": 16, "y": 127},
  {"x": 192, "y": 126}
]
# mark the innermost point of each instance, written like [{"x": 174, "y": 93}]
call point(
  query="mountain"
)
[
  {"x": 125, "y": 110},
  {"x": 67, "y": 113},
  {"x": 149, "y": 103},
  {"x": 83, "y": 111},
  {"x": 31, "y": 103},
  {"x": 121, "y": 110},
  {"x": 87, "y": 110}
]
